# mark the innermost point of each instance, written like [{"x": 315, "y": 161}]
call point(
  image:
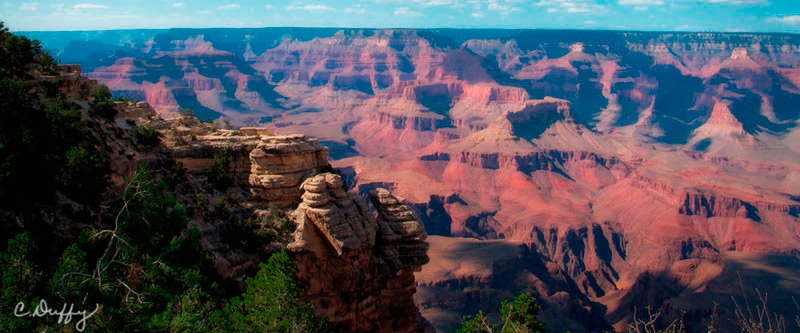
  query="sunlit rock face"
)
[
  {"x": 270, "y": 166},
  {"x": 357, "y": 266},
  {"x": 358, "y": 269},
  {"x": 610, "y": 161},
  {"x": 280, "y": 163}
]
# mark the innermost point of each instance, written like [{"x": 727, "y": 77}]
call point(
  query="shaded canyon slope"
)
[{"x": 601, "y": 170}]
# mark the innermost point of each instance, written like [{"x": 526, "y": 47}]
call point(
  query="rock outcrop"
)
[
  {"x": 198, "y": 156},
  {"x": 340, "y": 217},
  {"x": 401, "y": 236},
  {"x": 358, "y": 269},
  {"x": 270, "y": 166},
  {"x": 68, "y": 82},
  {"x": 280, "y": 163},
  {"x": 721, "y": 122},
  {"x": 357, "y": 266}
]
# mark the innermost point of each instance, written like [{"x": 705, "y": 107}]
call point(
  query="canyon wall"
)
[{"x": 606, "y": 165}]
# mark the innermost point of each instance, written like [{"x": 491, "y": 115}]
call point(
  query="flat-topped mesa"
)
[
  {"x": 358, "y": 269},
  {"x": 279, "y": 164}
]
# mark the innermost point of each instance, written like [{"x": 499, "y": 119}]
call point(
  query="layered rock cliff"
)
[
  {"x": 214, "y": 196},
  {"x": 610, "y": 160},
  {"x": 279, "y": 165},
  {"x": 357, "y": 267}
]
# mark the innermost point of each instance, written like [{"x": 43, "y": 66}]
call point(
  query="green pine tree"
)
[
  {"x": 518, "y": 316},
  {"x": 20, "y": 281},
  {"x": 271, "y": 302}
]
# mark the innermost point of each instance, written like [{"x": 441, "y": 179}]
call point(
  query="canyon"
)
[
  {"x": 603, "y": 171},
  {"x": 356, "y": 261}
]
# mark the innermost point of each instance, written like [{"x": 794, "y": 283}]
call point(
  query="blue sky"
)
[{"x": 693, "y": 15}]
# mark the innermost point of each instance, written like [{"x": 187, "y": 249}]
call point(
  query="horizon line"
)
[{"x": 407, "y": 28}]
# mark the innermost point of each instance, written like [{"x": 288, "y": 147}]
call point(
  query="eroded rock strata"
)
[
  {"x": 280, "y": 163},
  {"x": 359, "y": 269},
  {"x": 615, "y": 160},
  {"x": 357, "y": 266},
  {"x": 270, "y": 166}
]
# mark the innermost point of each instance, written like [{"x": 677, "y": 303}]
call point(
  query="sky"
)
[{"x": 661, "y": 15}]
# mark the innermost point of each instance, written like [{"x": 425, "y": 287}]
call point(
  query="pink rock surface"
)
[{"x": 607, "y": 163}]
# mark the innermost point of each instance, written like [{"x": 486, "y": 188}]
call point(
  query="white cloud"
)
[
  {"x": 268, "y": 7},
  {"x": 641, "y": 2},
  {"x": 231, "y": 6},
  {"x": 323, "y": 8},
  {"x": 477, "y": 14},
  {"x": 573, "y": 6},
  {"x": 427, "y": 3},
  {"x": 177, "y": 4},
  {"x": 29, "y": 6},
  {"x": 204, "y": 12},
  {"x": 430, "y": 3},
  {"x": 89, "y": 6},
  {"x": 311, "y": 8},
  {"x": 354, "y": 10},
  {"x": 503, "y": 8},
  {"x": 641, "y": 8},
  {"x": 791, "y": 19},
  {"x": 662, "y": 2},
  {"x": 404, "y": 11},
  {"x": 740, "y": 2}
]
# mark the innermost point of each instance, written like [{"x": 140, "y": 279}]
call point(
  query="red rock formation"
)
[
  {"x": 358, "y": 270},
  {"x": 656, "y": 152},
  {"x": 722, "y": 118}
]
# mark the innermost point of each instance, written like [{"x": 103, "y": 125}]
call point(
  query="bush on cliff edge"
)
[
  {"x": 271, "y": 302},
  {"x": 518, "y": 316}
]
